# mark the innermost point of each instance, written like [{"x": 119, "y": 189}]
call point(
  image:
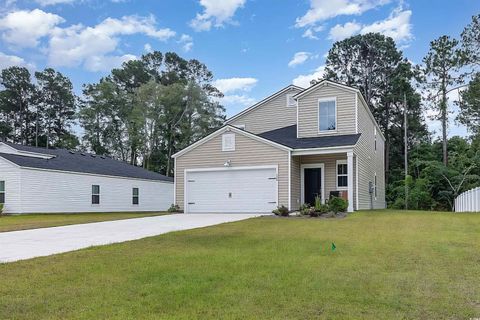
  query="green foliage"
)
[
  {"x": 1, "y": 209},
  {"x": 469, "y": 104},
  {"x": 336, "y": 205},
  {"x": 318, "y": 203},
  {"x": 281, "y": 211},
  {"x": 150, "y": 108},
  {"x": 174, "y": 208}
]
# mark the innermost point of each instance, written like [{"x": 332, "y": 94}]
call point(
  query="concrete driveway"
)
[{"x": 26, "y": 244}]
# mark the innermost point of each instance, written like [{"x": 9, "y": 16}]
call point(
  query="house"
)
[
  {"x": 285, "y": 150},
  {"x": 37, "y": 180}
]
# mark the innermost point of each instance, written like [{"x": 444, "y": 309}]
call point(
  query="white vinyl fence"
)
[{"x": 469, "y": 201}]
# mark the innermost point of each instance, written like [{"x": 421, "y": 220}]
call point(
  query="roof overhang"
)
[
  {"x": 326, "y": 150},
  {"x": 13, "y": 150},
  {"x": 229, "y": 128},
  {"x": 258, "y": 104}
]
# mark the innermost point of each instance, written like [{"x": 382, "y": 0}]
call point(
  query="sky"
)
[{"x": 253, "y": 47}]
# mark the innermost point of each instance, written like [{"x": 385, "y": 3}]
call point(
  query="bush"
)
[
  {"x": 337, "y": 205},
  {"x": 1, "y": 209},
  {"x": 305, "y": 209},
  {"x": 281, "y": 211},
  {"x": 174, "y": 208},
  {"x": 323, "y": 208}
]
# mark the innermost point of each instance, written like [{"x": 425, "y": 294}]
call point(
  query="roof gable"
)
[
  {"x": 264, "y": 101},
  {"x": 225, "y": 129}
]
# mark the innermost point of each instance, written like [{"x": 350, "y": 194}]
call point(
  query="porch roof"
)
[{"x": 287, "y": 136}]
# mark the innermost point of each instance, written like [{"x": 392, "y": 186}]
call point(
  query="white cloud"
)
[
  {"x": 24, "y": 28},
  {"x": 147, "y": 47},
  {"x": 310, "y": 32},
  {"x": 340, "y": 32},
  {"x": 396, "y": 26},
  {"x": 104, "y": 63},
  {"x": 44, "y": 3},
  {"x": 187, "y": 42},
  {"x": 215, "y": 13},
  {"x": 304, "y": 80},
  {"x": 10, "y": 61},
  {"x": 321, "y": 10},
  {"x": 230, "y": 85},
  {"x": 92, "y": 46},
  {"x": 299, "y": 58}
]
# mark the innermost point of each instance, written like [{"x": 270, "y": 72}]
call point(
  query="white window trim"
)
[
  {"x": 290, "y": 95},
  {"x": 302, "y": 179},
  {"x": 336, "y": 174},
  {"x": 96, "y": 194},
  {"x": 224, "y": 147},
  {"x": 327, "y": 99},
  {"x": 4, "y": 192},
  {"x": 138, "y": 196}
]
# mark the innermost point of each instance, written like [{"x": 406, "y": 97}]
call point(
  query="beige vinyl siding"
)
[
  {"x": 369, "y": 161},
  {"x": 308, "y": 111},
  {"x": 271, "y": 115},
  {"x": 295, "y": 181},
  {"x": 330, "y": 165},
  {"x": 248, "y": 152}
]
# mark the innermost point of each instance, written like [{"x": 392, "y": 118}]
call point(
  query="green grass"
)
[
  {"x": 388, "y": 265},
  {"x": 33, "y": 221}
]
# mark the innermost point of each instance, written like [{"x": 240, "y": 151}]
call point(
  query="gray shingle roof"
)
[
  {"x": 287, "y": 136},
  {"x": 65, "y": 160}
]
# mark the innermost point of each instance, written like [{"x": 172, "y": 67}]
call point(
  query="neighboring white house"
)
[{"x": 35, "y": 180}]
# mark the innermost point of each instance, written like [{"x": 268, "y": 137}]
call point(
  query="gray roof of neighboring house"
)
[
  {"x": 287, "y": 136},
  {"x": 65, "y": 160}
]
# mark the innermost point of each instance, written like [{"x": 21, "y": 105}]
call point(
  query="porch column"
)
[{"x": 350, "y": 180}]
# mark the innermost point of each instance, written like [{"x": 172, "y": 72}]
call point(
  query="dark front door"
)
[{"x": 312, "y": 184}]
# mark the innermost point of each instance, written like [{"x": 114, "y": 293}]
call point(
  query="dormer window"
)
[
  {"x": 228, "y": 142},
  {"x": 327, "y": 114},
  {"x": 290, "y": 101}
]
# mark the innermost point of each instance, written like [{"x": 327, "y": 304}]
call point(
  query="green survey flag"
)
[{"x": 333, "y": 246}]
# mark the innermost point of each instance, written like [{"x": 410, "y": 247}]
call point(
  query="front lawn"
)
[
  {"x": 33, "y": 221},
  {"x": 387, "y": 265}
]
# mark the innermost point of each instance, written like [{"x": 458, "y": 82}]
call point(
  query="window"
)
[
  {"x": 342, "y": 174},
  {"x": 2, "y": 192},
  {"x": 327, "y": 115},
  {"x": 95, "y": 194},
  {"x": 290, "y": 101},
  {"x": 375, "y": 133},
  {"x": 228, "y": 142},
  {"x": 375, "y": 185},
  {"x": 135, "y": 196}
]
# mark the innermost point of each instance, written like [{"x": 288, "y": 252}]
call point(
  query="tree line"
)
[{"x": 149, "y": 108}]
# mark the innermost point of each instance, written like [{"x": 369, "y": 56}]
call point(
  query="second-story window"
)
[
  {"x": 327, "y": 115},
  {"x": 375, "y": 133},
  {"x": 2, "y": 192}
]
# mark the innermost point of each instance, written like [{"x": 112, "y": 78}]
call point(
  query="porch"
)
[{"x": 323, "y": 174}]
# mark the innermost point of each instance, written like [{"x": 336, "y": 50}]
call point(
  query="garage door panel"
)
[{"x": 236, "y": 191}]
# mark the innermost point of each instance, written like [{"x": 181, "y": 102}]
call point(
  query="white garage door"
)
[{"x": 233, "y": 190}]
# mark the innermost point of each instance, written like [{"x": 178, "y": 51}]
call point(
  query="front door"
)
[{"x": 312, "y": 184}]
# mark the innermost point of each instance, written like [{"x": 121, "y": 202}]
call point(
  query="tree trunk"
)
[{"x": 444, "y": 125}]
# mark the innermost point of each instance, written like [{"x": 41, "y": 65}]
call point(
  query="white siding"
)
[
  {"x": 10, "y": 173},
  {"x": 45, "y": 191}
]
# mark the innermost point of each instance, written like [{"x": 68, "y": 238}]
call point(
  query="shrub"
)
[
  {"x": 1, "y": 209},
  {"x": 323, "y": 208},
  {"x": 174, "y": 208},
  {"x": 337, "y": 205},
  {"x": 281, "y": 211},
  {"x": 318, "y": 203},
  {"x": 305, "y": 209}
]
